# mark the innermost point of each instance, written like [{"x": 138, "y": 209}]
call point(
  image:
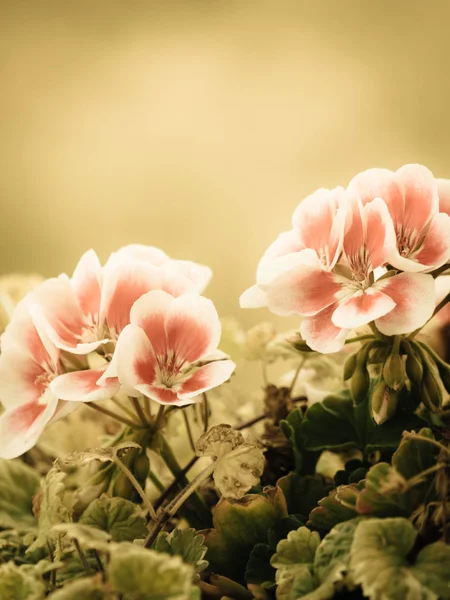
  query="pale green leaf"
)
[
  {"x": 88, "y": 588},
  {"x": 53, "y": 509},
  {"x": 298, "y": 549},
  {"x": 186, "y": 543},
  {"x": 121, "y": 518},
  {"x": 18, "y": 583},
  {"x": 333, "y": 554},
  {"x": 379, "y": 562},
  {"x": 89, "y": 537},
  {"x": 16, "y": 509},
  {"x": 144, "y": 574},
  {"x": 77, "y": 459}
]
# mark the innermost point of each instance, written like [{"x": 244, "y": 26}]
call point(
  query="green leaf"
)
[
  {"x": 305, "y": 460},
  {"x": 379, "y": 562},
  {"x": 333, "y": 555},
  {"x": 88, "y": 588},
  {"x": 53, "y": 510},
  {"x": 336, "y": 424},
  {"x": 16, "y": 510},
  {"x": 298, "y": 549},
  {"x": 239, "y": 526},
  {"x": 122, "y": 519},
  {"x": 414, "y": 455},
  {"x": 148, "y": 575},
  {"x": 385, "y": 494},
  {"x": 302, "y": 493},
  {"x": 281, "y": 529},
  {"x": 19, "y": 583},
  {"x": 186, "y": 543},
  {"x": 89, "y": 537},
  {"x": 77, "y": 459},
  {"x": 259, "y": 570},
  {"x": 338, "y": 506}
]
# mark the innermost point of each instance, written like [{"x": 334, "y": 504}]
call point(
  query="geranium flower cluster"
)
[
  {"x": 361, "y": 255},
  {"x": 137, "y": 324}
]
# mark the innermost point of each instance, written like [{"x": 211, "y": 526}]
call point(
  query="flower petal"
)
[
  {"x": 193, "y": 327},
  {"x": 380, "y": 235},
  {"x": 86, "y": 282},
  {"x": 207, "y": 377},
  {"x": 83, "y": 386},
  {"x": 254, "y": 297},
  {"x": 137, "y": 252},
  {"x": 435, "y": 250},
  {"x": 414, "y": 296},
  {"x": 161, "y": 395},
  {"x": 122, "y": 286},
  {"x": 134, "y": 358},
  {"x": 361, "y": 308},
  {"x": 198, "y": 275},
  {"x": 444, "y": 195},
  {"x": 321, "y": 334},
  {"x": 18, "y": 374},
  {"x": 21, "y": 426},
  {"x": 149, "y": 312},
  {"x": 286, "y": 243},
  {"x": 420, "y": 192},
  {"x": 303, "y": 290}
]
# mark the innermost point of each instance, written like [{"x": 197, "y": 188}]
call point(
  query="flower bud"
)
[
  {"x": 394, "y": 372},
  {"x": 141, "y": 467},
  {"x": 383, "y": 403},
  {"x": 359, "y": 384},
  {"x": 350, "y": 366},
  {"x": 431, "y": 388},
  {"x": 123, "y": 487},
  {"x": 414, "y": 367}
]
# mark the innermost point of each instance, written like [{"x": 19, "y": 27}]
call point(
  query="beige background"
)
[{"x": 198, "y": 126}]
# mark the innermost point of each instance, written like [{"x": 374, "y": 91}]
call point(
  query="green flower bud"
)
[
  {"x": 431, "y": 388},
  {"x": 383, "y": 403},
  {"x": 359, "y": 384},
  {"x": 350, "y": 365},
  {"x": 394, "y": 372},
  {"x": 141, "y": 467},
  {"x": 123, "y": 487},
  {"x": 414, "y": 367}
]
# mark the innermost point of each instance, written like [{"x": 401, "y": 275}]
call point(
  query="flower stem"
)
[
  {"x": 115, "y": 416},
  {"x": 296, "y": 374},
  {"x": 205, "y": 412},
  {"x": 82, "y": 556},
  {"x": 188, "y": 430},
  {"x": 139, "y": 411},
  {"x": 159, "y": 418},
  {"x": 137, "y": 486},
  {"x": 359, "y": 338}
]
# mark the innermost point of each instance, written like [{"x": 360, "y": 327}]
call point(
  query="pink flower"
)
[
  {"x": 87, "y": 312},
  {"x": 341, "y": 294},
  {"x": 412, "y": 196},
  {"x": 169, "y": 350},
  {"x": 28, "y": 363}
]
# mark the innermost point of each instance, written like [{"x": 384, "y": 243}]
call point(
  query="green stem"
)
[
  {"x": 156, "y": 481},
  {"x": 115, "y": 416},
  {"x": 145, "y": 499},
  {"x": 360, "y": 338},
  {"x": 377, "y": 333},
  {"x": 83, "y": 559},
  {"x": 420, "y": 476},
  {"x": 159, "y": 418},
  {"x": 188, "y": 430},
  {"x": 296, "y": 374},
  {"x": 140, "y": 413}
]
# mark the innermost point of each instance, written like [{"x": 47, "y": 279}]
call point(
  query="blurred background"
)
[{"x": 198, "y": 126}]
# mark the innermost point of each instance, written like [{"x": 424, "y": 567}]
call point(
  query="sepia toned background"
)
[{"x": 198, "y": 126}]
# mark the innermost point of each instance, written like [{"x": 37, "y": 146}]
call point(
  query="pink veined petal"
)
[
  {"x": 355, "y": 235},
  {"x": 321, "y": 334},
  {"x": 414, "y": 296},
  {"x": 361, "y": 308},
  {"x": 420, "y": 192},
  {"x": 304, "y": 290},
  {"x": 380, "y": 183},
  {"x": 134, "y": 358},
  {"x": 380, "y": 234},
  {"x": 268, "y": 270},
  {"x": 175, "y": 284},
  {"x": 82, "y": 386},
  {"x": 21, "y": 426},
  {"x": 435, "y": 250},
  {"x": 404, "y": 264},
  {"x": 193, "y": 327},
  {"x": 86, "y": 282},
  {"x": 205, "y": 378},
  {"x": 19, "y": 373},
  {"x": 199, "y": 275},
  {"x": 149, "y": 313},
  {"x": 337, "y": 234},
  {"x": 254, "y": 297},
  {"x": 444, "y": 195},
  {"x": 315, "y": 220},
  {"x": 137, "y": 252},
  {"x": 122, "y": 286},
  {"x": 161, "y": 395}
]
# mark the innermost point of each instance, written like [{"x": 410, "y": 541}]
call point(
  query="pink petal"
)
[
  {"x": 435, "y": 250},
  {"x": 206, "y": 377},
  {"x": 149, "y": 312},
  {"x": 320, "y": 220},
  {"x": 379, "y": 183},
  {"x": 420, "y": 192},
  {"x": 380, "y": 234},
  {"x": 199, "y": 275},
  {"x": 19, "y": 372},
  {"x": 286, "y": 243},
  {"x": 193, "y": 327},
  {"x": 355, "y": 235},
  {"x": 86, "y": 281},
  {"x": 175, "y": 285},
  {"x": 134, "y": 358},
  {"x": 122, "y": 286},
  {"x": 414, "y": 296},
  {"x": 304, "y": 290},
  {"x": 161, "y": 395},
  {"x": 254, "y": 297},
  {"x": 444, "y": 195},
  {"x": 82, "y": 386},
  {"x": 137, "y": 252},
  {"x": 321, "y": 334},
  {"x": 21, "y": 426},
  {"x": 362, "y": 308}
]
